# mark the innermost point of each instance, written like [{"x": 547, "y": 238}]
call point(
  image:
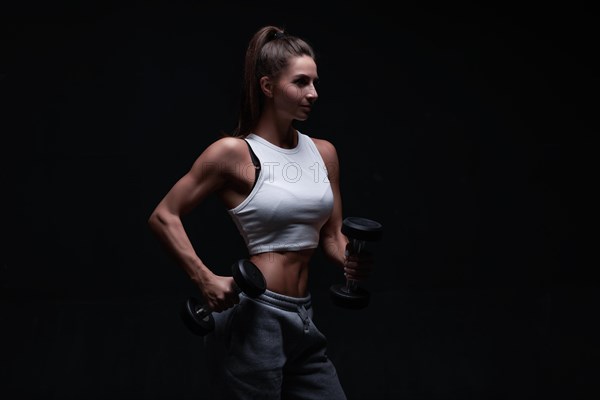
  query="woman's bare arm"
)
[{"x": 210, "y": 173}]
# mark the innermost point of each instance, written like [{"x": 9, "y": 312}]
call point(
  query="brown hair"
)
[{"x": 267, "y": 54}]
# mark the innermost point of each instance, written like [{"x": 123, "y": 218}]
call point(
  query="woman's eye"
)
[{"x": 305, "y": 82}]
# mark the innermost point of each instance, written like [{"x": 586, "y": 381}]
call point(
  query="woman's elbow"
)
[{"x": 156, "y": 220}]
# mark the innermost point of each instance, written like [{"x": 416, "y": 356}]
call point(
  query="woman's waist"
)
[{"x": 285, "y": 272}]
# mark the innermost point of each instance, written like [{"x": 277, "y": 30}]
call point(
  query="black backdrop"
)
[{"x": 462, "y": 130}]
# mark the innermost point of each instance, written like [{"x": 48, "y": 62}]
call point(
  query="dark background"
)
[{"x": 466, "y": 131}]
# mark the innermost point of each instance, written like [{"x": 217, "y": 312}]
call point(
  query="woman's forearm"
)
[
  {"x": 171, "y": 233},
  {"x": 334, "y": 247}
]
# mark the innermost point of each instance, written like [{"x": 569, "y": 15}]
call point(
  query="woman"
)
[{"x": 281, "y": 189}]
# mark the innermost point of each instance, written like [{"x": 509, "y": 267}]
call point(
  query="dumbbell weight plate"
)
[
  {"x": 199, "y": 326},
  {"x": 362, "y": 229},
  {"x": 248, "y": 278},
  {"x": 357, "y": 298}
]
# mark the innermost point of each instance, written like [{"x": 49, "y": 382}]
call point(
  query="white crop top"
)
[{"x": 291, "y": 200}]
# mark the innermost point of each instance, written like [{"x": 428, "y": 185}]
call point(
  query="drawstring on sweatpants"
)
[{"x": 303, "y": 313}]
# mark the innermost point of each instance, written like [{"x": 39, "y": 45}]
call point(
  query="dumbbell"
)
[
  {"x": 359, "y": 231},
  {"x": 248, "y": 279}
]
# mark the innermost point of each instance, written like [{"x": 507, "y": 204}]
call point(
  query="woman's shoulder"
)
[
  {"x": 226, "y": 148},
  {"x": 326, "y": 148}
]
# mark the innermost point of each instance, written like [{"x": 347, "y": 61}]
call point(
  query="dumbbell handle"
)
[
  {"x": 204, "y": 310},
  {"x": 356, "y": 245}
]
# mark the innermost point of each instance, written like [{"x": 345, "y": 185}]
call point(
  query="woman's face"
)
[{"x": 294, "y": 92}]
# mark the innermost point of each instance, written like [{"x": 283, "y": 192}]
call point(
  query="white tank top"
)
[{"x": 291, "y": 200}]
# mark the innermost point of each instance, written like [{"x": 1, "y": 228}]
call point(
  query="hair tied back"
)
[{"x": 279, "y": 35}]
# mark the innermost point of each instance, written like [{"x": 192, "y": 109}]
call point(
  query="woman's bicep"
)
[
  {"x": 203, "y": 179},
  {"x": 331, "y": 231},
  {"x": 187, "y": 192}
]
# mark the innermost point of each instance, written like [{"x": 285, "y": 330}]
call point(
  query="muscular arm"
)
[
  {"x": 333, "y": 242},
  {"x": 209, "y": 174}
]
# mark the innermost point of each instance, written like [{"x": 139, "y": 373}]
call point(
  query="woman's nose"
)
[{"x": 312, "y": 94}]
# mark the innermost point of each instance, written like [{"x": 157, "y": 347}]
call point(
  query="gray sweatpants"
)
[{"x": 269, "y": 348}]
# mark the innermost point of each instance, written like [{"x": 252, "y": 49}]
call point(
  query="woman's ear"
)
[{"x": 266, "y": 85}]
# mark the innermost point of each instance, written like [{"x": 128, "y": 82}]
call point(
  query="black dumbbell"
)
[
  {"x": 359, "y": 231},
  {"x": 248, "y": 279}
]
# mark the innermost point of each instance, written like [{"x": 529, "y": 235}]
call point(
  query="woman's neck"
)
[{"x": 280, "y": 134}]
